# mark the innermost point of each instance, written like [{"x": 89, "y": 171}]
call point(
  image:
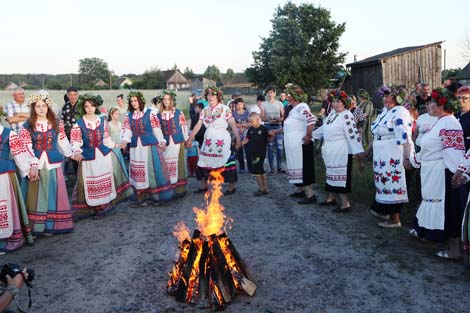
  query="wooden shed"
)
[
  {"x": 175, "y": 80},
  {"x": 403, "y": 66}
]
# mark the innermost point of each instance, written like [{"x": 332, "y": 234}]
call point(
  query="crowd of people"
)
[{"x": 146, "y": 154}]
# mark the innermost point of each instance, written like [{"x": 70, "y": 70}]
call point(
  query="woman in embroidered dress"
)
[
  {"x": 14, "y": 230},
  {"x": 175, "y": 132},
  {"x": 341, "y": 139},
  {"x": 115, "y": 126},
  {"x": 439, "y": 216},
  {"x": 101, "y": 179},
  {"x": 298, "y": 127},
  {"x": 148, "y": 173},
  {"x": 46, "y": 199},
  {"x": 215, "y": 150},
  {"x": 392, "y": 144}
]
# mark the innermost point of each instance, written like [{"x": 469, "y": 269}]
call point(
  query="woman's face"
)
[
  {"x": 464, "y": 102},
  {"x": 41, "y": 108},
  {"x": 116, "y": 115},
  {"x": 240, "y": 106},
  {"x": 135, "y": 104},
  {"x": 166, "y": 101},
  {"x": 434, "y": 109},
  {"x": 388, "y": 101},
  {"x": 338, "y": 105},
  {"x": 212, "y": 99},
  {"x": 89, "y": 108}
]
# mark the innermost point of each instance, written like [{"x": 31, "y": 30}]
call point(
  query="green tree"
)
[
  {"x": 91, "y": 69},
  {"x": 212, "y": 72},
  {"x": 302, "y": 48},
  {"x": 449, "y": 73},
  {"x": 188, "y": 73},
  {"x": 55, "y": 84},
  {"x": 150, "y": 79},
  {"x": 229, "y": 74}
]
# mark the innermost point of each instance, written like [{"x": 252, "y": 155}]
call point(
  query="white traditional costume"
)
[{"x": 341, "y": 140}]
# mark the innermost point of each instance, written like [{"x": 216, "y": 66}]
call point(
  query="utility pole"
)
[
  {"x": 71, "y": 82},
  {"x": 110, "y": 83},
  {"x": 445, "y": 56}
]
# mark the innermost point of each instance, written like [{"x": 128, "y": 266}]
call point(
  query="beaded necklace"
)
[{"x": 330, "y": 121}]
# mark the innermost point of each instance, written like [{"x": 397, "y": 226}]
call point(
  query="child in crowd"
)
[
  {"x": 257, "y": 135},
  {"x": 192, "y": 154}
]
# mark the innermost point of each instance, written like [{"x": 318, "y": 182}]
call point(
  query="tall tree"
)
[
  {"x": 212, "y": 72},
  {"x": 150, "y": 79},
  {"x": 229, "y": 74},
  {"x": 301, "y": 48},
  {"x": 188, "y": 73},
  {"x": 91, "y": 69}
]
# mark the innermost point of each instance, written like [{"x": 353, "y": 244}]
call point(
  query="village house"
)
[
  {"x": 175, "y": 80},
  {"x": 122, "y": 83}
]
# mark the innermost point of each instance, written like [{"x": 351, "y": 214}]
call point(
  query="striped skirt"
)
[
  {"x": 123, "y": 191},
  {"x": 47, "y": 203},
  {"x": 21, "y": 230}
]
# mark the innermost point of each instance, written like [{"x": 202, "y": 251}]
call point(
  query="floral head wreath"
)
[
  {"x": 35, "y": 97},
  {"x": 363, "y": 94},
  {"x": 89, "y": 97},
  {"x": 296, "y": 92},
  {"x": 2, "y": 113},
  {"x": 135, "y": 93},
  {"x": 446, "y": 98},
  {"x": 213, "y": 90},
  {"x": 398, "y": 92},
  {"x": 171, "y": 93},
  {"x": 340, "y": 95}
]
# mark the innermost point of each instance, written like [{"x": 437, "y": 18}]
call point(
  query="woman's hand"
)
[
  {"x": 458, "y": 179},
  {"x": 238, "y": 144},
  {"x": 188, "y": 143},
  {"x": 307, "y": 139},
  {"x": 162, "y": 146},
  {"x": 33, "y": 174},
  {"x": 77, "y": 157},
  {"x": 407, "y": 164}
]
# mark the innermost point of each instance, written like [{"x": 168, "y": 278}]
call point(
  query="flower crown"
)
[
  {"x": 340, "y": 95},
  {"x": 35, "y": 97},
  {"x": 137, "y": 94},
  {"x": 2, "y": 113},
  {"x": 291, "y": 91},
  {"x": 446, "y": 98},
  {"x": 363, "y": 94},
  {"x": 171, "y": 93},
  {"x": 88, "y": 97},
  {"x": 398, "y": 92},
  {"x": 213, "y": 90}
]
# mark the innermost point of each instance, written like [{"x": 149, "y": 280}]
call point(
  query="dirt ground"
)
[{"x": 304, "y": 259}]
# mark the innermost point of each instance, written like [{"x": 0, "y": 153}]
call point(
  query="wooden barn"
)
[
  {"x": 463, "y": 76},
  {"x": 403, "y": 66}
]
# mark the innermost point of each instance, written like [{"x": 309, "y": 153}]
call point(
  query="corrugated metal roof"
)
[{"x": 464, "y": 73}]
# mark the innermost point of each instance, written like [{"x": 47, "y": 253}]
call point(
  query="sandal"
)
[
  {"x": 327, "y": 203},
  {"x": 342, "y": 210},
  {"x": 444, "y": 254}
]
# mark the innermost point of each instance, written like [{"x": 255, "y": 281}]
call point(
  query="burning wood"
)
[{"x": 209, "y": 270}]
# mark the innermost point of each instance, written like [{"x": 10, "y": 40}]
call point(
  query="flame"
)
[
  {"x": 176, "y": 272},
  {"x": 212, "y": 220},
  {"x": 193, "y": 282},
  {"x": 181, "y": 232},
  {"x": 230, "y": 259}
]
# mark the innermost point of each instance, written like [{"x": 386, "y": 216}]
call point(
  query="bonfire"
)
[{"x": 209, "y": 272}]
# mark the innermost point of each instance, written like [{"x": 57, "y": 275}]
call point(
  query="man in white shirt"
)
[
  {"x": 272, "y": 114},
  {"x": 18, "y": 110}
]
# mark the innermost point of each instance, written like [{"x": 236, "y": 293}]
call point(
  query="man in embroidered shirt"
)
[{"x": 18, "y": 110}]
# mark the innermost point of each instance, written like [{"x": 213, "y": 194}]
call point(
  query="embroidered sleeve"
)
[
  {"x": 126, "y": 132},
  {"x": 76, "y": 139},
  {"x": 20, "y": 154},
  {"x": 228, "y": 113},
  {"x": 309, "y": 117},
  {"x": 25, "y": 138},
  {"x": 184, "y": 126},
  {"x": 464, "y": 165},
  {"x": 107, "y": 140},
  {"x": 156, "y": 127},
  {"x": 359, "y": 115},
  {"x": 402, "y": 127},
  {"x": 63, "y": 142},
  {"x": 202, "y": 114},
  {"x": 453, "y": 148},
  {"x": 352, "y": 134}
]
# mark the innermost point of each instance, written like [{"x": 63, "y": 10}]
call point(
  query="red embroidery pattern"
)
[
  {"x": 211, "y": 155},
  {"x": 452, "y": 138},
  {"x": 137, "y": 171},
  {"x": 295, "y": 174},
  {"x": 99, "y": 187},
  {"x": 3, "y": 215},
  {"x": 16, "y": 145},
  {"x": 171, "y": 166},
  {"x": 336, "y": 177}
]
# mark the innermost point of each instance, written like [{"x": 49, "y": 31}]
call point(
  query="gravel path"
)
[{"x": 304, "y": 259}]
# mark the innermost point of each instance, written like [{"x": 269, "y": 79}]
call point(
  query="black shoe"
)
[
  {"x": 327, "y": 203},
  {"x": 200, "y": 190},
  {"x": 342, "y": 210},
  {"x": 230, "y": 192},
  {"x": 298, "y": 194},
  {"x": 280, "y": 171},
  {"x": 312, "y": 199}
]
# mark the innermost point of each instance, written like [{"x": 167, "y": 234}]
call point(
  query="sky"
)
[{"x": 51, "y": 36}]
